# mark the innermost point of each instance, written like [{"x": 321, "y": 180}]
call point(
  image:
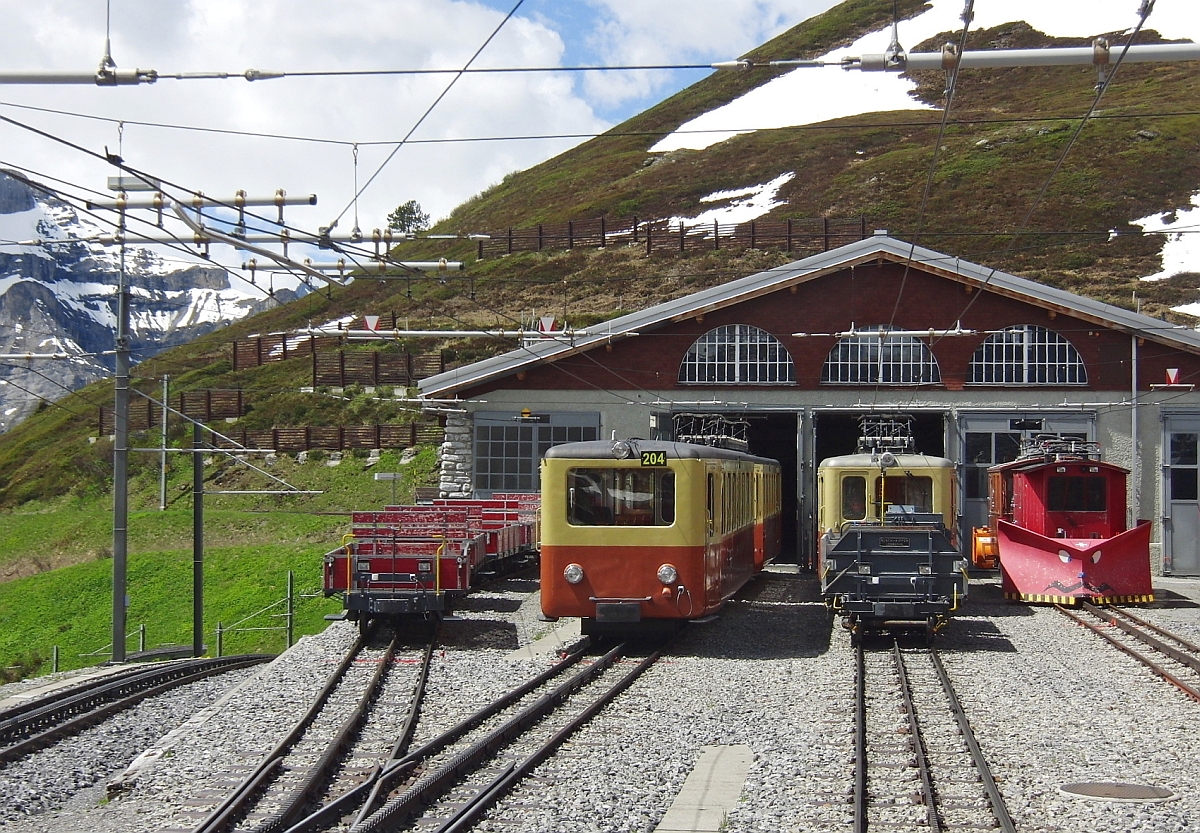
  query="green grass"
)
[
  {"x": 55, "y": 557},
  {"x": 71, "y": 607}
]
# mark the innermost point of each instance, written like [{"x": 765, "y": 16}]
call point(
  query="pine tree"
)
[{"x": 409, "y": 218}]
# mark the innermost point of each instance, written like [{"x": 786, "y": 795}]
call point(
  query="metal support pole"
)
[
  {"x": 220, "y": 640},
  {"x": 142, "y": 637},
  {"x": 1135, "y": 464},
  {"x": 198, "y": 544},
  {"x": 291, "y": 606},
  {"x": 54, "y": 660},
  {"x": 120, "y": 601},
  {"x": 162, "y": 463}
]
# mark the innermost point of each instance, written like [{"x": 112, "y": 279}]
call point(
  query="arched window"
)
[
  {"x": 866, "y": 358},
  {"x": 737, "y": 354},
  {"x": 1026, "y": 355}
]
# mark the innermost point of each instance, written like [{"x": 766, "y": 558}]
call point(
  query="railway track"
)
[
  {"x": 321, "y": 753},
  {"x": 1141, "y": 640},
  {"x": 33, "y": 725},
  {"x": 917, "y": 763},
  {"x": 447, "y": 783}
]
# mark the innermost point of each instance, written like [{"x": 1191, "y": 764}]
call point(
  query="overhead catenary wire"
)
[
  {"x": 1143, "y": 13},
  {"x": 179, "y": 244},
  {"x": 834, "y": 125},
  {"x": 296, "y": 269},
  {"x": 120, "y": 164},
  {"x": 431, "y": 108},
  {"x": 951, "y": 87},
  {"x": 469, "y": 70},
  {"x": 50, "y": 379},
  {"x": 624, "y": 279},
  {"x": 8, "y": 381}
]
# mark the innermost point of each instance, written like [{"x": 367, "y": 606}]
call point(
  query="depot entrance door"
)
[{"x": 1181, "y": 496}]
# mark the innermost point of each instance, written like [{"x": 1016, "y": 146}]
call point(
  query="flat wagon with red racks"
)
[
  {"x": 418, "y": 560},
  {"x": 1058, "y": 518}
]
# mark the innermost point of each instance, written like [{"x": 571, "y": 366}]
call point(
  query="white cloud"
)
[
  {"x": 297, "y": 35},
  {"x": 231, "y": 35},
  {"x": 667, "y": 31}
]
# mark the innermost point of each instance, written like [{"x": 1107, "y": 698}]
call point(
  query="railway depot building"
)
[{"x": 979, "y": 358}]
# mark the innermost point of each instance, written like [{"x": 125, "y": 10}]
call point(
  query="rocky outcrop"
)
[{"x": 58, "y": 294}]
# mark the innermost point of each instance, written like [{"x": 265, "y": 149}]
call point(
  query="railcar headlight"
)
[
  {"x": 864, "y": 569},
  {"x": 667, "y": 574},
  {"x": 925, "y": 569},
  {"x": 1064, "y": 556},
  {"x": 573, "y": 574},
  {"x": 1096, "y": 557},
  {"x": 621, "y": 450}
]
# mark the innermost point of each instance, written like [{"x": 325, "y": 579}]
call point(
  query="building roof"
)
[{"x": 874, "y": 248}]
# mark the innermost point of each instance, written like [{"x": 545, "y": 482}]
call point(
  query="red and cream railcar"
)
[
  {"x": 639, "y": 530},
  {"x": 1058, "y": 514}
]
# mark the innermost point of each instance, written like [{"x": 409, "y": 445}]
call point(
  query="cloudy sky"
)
[
  {"x": 304, "y": 35},
  {"x": 376, "y": 112}
]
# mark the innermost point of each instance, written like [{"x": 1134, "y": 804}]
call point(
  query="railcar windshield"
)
[
  {"x": 904, "y": 489},
  {"x": 1077, "y": 494},
  {"x": 620, "y": 497}
]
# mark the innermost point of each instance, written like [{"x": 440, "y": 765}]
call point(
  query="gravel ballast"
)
[{"x": 1050, "y": 703}]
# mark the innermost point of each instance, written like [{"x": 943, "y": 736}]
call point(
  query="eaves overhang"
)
[{"x": 875, "y": 249}]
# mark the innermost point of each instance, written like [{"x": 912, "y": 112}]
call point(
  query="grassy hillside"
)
[
  {"x": 1139, "y": 155},
  {"x": 71, "y": 607},
  {"x": 56, "y": 567}
]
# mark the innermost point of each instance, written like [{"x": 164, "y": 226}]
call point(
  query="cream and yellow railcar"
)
[{"x": 888, "y": 554}]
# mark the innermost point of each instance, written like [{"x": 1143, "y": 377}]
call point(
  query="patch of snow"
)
[
  {"x": 9, "y": 281},
  {"x": 344, "y": 321},
  {"x": 746, "y": 203},
  {"x": 1189, "y": 309},
  {"x": 34, "y": 224},
  {"x": 814, "y": 95},
  {"x": 1181, "y": 251}
]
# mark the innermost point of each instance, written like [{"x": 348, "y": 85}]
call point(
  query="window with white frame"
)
[
  {"x": 1026, "y": 355},
  {"x": 737, "y": 354},
  {"x": 868, "y": 358},
  {"x": 509, "y": 446}
]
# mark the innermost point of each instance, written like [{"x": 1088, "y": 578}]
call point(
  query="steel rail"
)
[
  {"x": 999, "y": 808},
  {"x": 223, "y": 816},
  {"x": 306, "y": 791},
  {"x": 44, "y": 710},
  {"x": 933, "y": 819},
  {"x": 388, "y": 776},
  {"x": 1116, "y": 643},
  {"x": 46, "y": 720},
  {"x": 499, "y": 787},
  {"x": 1130, "y": 624},
  {"x": 860, "y": 740},
  {"x": 83, "y": 684},
  {"x": 1191, "y": 646},
  {"x": 433, "y": 784}
]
